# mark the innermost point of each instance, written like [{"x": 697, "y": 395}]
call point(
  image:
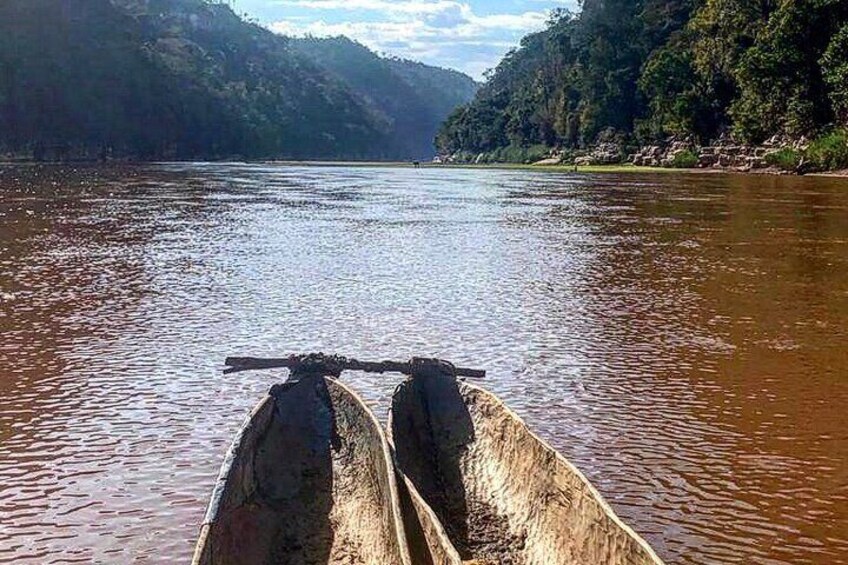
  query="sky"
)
[{"x": 468, "y": 35}]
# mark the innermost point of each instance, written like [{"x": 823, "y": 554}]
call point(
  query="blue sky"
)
[{"x": 469, "y": 35}]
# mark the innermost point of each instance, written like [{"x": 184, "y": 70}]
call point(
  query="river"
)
[{"x": 683, "y": 339}]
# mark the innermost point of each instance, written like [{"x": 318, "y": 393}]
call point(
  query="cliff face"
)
[{"x": 174, "y": 79}]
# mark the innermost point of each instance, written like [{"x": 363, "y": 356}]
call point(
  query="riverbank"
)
[
  {"x": 488, "y": 166},
  {"x": 634, "y": 169},
  {"x": 625, "y": 168},
  {"x": 825, "y": 153},
  {"x": 599, "y": 169},
  {"x": 842, "y": 173}
]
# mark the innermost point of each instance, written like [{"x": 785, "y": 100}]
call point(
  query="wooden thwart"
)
[{"x": 333, "y": 365}]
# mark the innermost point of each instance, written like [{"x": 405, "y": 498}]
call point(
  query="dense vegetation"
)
[
  {"x": 190, "y": 79},
  {"x": 642, "y": 70},
  {"x": 414, "y": 98}
]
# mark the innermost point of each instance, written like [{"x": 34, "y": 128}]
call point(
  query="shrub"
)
[
  {"x": 829, "y": 152},
  {"x": 464, "y": 157},
  {"x": 518, "y": 154},
  {"x": 536, "y": 153},
  {"x": 835, "y": 68},
  {"x": 684, "y": 160},
  {"x": 787, "y": 159}
]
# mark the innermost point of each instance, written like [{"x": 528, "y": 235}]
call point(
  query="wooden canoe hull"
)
[
  {"x": 503, "y": 495},
  {"x": 309, "y": 480},
  {"x": 428, "y": 542}
]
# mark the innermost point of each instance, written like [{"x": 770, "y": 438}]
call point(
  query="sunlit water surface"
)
[{"x": 682, "y": 339}]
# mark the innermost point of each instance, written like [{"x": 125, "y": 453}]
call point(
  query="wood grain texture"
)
[
  {"x": 503, "y": 495},
  {"x": 308, "y": 481}
]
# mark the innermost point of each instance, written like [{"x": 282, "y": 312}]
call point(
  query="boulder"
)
[
  {"x": 606, "y": 153},
  {"x": 708, "y": 159},
  {"x": 756, "y": 163},
  {"x": 550, "y": 161},
  {"x": 725, "y": 160}
]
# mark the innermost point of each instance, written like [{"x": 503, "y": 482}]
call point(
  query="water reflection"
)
[{"x": 680, "y": 338}]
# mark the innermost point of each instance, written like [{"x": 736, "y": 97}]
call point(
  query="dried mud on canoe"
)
[
  {"x": 308, "y": 481},
  {"x": 503, "y": 496}
]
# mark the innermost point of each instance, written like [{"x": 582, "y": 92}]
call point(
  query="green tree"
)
[
  {"x": 671, "y": 86},
  {"x": 834, "y": 64},
  {"x": 612, "y": 52},
  {"x": 781, "y": 88}
]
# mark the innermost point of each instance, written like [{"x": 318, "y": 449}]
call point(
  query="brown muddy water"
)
[{"x": 682, "y": 339}]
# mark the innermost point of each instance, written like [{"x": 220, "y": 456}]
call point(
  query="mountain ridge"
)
[{"x": 182, "y": 79}]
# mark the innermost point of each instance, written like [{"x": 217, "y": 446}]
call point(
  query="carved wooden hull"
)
[
  {"x": 503, "y": 495},
  {"x": 308, "y": 481}
]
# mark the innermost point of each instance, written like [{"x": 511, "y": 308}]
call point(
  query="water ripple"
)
[{"x": 681, "y": 339}]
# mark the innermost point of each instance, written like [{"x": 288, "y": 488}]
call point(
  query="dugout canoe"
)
[
  {"x": 502, "y": 495},
  {"x": 308, "y": 480}
]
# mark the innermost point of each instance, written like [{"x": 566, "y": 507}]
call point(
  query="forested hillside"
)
[
  {"x": 162, "y": 79},
  {"x": 414, "y": 98},
  {"x": 647, "y": 69}
]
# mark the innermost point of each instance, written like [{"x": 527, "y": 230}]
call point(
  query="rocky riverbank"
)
[
  {"x": 724, "y": 153},
  {"x": 778, "y": 155},
  {"x": 686, "y": 153}
]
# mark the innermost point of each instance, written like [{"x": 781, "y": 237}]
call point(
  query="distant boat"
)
[
  {"x": 309, "y": 480},
  {"x": 502, "y": 495}
]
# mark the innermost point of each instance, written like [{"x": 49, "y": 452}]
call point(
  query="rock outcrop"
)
[
  {"x": 726, "y": 154},
  {"x": 664, "y": 155},
  {"x": 606, "y": 153},
  {"x": 723, "y": 153},
  {"x": 675, "y": 152}
]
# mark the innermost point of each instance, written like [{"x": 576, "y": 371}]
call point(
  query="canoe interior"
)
[
  {"x": 503, "y": 496},
  {"x": 427, "y": 539},
  {"x": 308, "y": 481}
]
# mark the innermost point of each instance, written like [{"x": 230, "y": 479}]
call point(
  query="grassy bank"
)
[
  {"x": 632, "y": 169},
  {"x": 624, "y": 168}
]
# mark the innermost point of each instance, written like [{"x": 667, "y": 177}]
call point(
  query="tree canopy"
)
[{"x": 647, "y": 69}]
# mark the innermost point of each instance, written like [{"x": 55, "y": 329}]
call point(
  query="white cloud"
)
[
  {"x": 443, "y": 32},
  {"x": 386, "y": 6}
]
